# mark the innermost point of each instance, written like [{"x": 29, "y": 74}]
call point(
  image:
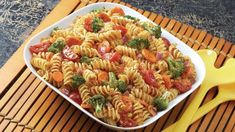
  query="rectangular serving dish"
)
[{"x": 186, "y": 50}]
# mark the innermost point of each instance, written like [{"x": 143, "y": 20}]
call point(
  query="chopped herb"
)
[
  {"x": 154, "y": 30},
  {"x": 57, "y": 46},
  {"x": 77, "y": 80},
  {"x": 85, "y": 59},
  {"x": 97, "y": 24},
  {"x": 131, "y": 17}
]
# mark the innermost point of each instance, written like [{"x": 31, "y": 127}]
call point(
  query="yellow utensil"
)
[
  {"x": 214, "y": 77},
  {"x": 226, "y": 93}
]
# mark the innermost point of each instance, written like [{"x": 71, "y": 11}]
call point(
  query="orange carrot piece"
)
[
  {"x": 102, "y": 76},
  {"x": 57, "y": 76},
  {"x": 148, "y": 55},
  {"x": 85, "y": 106}
]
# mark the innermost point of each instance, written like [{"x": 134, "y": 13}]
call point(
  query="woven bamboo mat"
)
[{"x": 27, "y": 104}]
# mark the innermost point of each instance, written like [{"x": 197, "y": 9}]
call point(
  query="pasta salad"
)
[{"x": 115, "y": 66}]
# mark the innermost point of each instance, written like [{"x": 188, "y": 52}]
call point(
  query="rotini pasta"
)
[{"x": 121, "y": 67}]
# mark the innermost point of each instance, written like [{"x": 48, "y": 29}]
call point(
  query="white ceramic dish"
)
[{"x": 186, "y": 50}]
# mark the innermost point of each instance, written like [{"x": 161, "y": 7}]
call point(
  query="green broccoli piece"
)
[
  {"x": 97, "y": 24},
  {"x": 139, "y": 43},
  {"x": 97, "y": 101},
  {"x": 161, "y": 103},
  {"x": 85, "y": 59},
  {"x": 176, "y": 67},
  {"x": 154, "y": 30},
  {"x": 122, "y": 87},
  {"x": 131, "y": 17},
  {"x": 57, "y": 46},
  {"x": 98, "y": 10},
  {"x": 77, "y": 80},
  {"x": 53, "y": 30},
  {"x": 113, "y": 80}
]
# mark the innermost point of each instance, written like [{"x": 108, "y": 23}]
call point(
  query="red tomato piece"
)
[
  {"x": 182, "y": 85},
  {"x": 166, "y": 41},
  {"x": 112, "y": 56},
  {"x": 75, "y": 96},
  {"x": 117, "y": 10},
  {"x": 73, "y": 41},
  {"x": 88, "y": 24},
  {"x": 125, "y": 121},
  {"x": 41, "y": 47},
  {"x": 104, "y": 47},
  {"x": 115, "y": 57},
  {"x": 104, "y": 17},
  {"x": 67, "y": 53},
  {"x": 121, "y": 28},
  {"x": 149, "y": 78}
]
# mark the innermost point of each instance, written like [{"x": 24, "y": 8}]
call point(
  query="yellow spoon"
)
[
  {"x": 214, "y": 77},
  {"x": 226, "y": 93}
]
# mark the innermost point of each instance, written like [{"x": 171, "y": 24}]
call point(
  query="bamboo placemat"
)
[{"x": 27, "y": 104}]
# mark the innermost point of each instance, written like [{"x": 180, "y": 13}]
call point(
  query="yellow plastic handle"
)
[
  {"x": 185, "y": 120},
  {"x": 203, "y": 110}
]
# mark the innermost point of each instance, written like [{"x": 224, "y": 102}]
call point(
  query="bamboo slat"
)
[{"x": 27, "y": 104}]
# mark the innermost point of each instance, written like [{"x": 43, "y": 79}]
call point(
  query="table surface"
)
[
  {"x": 19, "y": 18},
  {"x": 28, "y": 104}
]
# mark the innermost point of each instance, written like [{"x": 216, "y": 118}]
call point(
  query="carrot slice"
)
[
  {"x": 57, "y": 76},
  {"x": 85, "y": 106},
  {"x": 102, "y": 76},
  {"x": 148, "y": 55}
]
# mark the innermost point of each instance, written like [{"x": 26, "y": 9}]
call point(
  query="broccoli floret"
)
[
  {"x": 131, "y": 17},
  {"x": 113, "y": 80},
  {"x": 154, "y": 30},
  {"x": 57, "y": 46},
  {"x": 97, "y": 101},
  {"x": 53, "y": 30},
  {"x": 176, "y": 67},
  {"x": 138, "y": 43},
  {"x": 122, "y": 87},
  {"x": 85, "y": 59},
  {"x": 160, "y": 103},
  {"x": 98, "y": 10},
  {"x": 77, "y": 80},
  {"x": 97, "y": 24}
]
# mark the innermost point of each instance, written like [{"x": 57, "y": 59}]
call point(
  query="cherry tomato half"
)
[
  {"x": 104, "y": 17},
  {"x": 112, "y": 56},
  {"x": 75, "y": 96},
  {"x": 117, "y": 10},
  {"x": 121, "y": 28},
  {"x": 67, "y": 53},
  {"x": 88, "y": 24},
  {"x": 166, "y": 41},
  {"x": 182, "y": 85},
  {"x": 41, "y": 47},
  {"x": 73, "y": 41},
  {"x": 125, "y": 121},
  {"x": 104, "y": 47},
  {"x": 149, "y": 78}
]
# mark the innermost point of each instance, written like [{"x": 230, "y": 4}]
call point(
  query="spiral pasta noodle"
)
[
  {"x": 138, "y": 93},
  {"x": 56, "y": 63},
  {"x": 103, "y": 65},
  {"x": 81, "y": 50},
  {"x": 40, "y": 63},
  {"x": 67, "y": 69},
  {"x": 85, "y": 93},
  {"x": 133, "y": 30},
  {"x": 90, "y": 76},
  {"x": 121, "y": 20},
  {"x": 175, "y": 52},
  {"x": 123, "y": 50},
  {"x": 103, "y": 90},
  {"x": 109, "y": 36},
  {"x": 44, "y": 55}
]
